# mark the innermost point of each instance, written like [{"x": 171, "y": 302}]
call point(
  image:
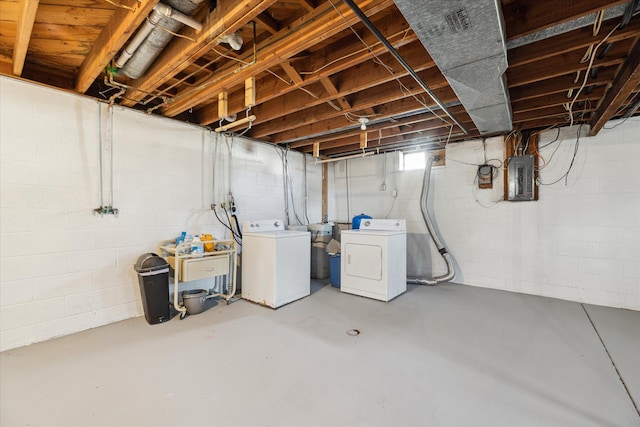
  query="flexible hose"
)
[{"x": 434, "y": 237}]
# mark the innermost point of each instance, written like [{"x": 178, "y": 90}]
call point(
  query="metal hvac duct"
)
[
  {"x": 466, "y": 40},
  {"x": 157, "y": 38}
]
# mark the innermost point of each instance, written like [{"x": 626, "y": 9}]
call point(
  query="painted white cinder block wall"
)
[
  {"x": 579, "y": 241},
  {"x": 63, "y": 269}
]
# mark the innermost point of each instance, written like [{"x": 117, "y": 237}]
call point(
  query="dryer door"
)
[{"x": 363, "y": 261}]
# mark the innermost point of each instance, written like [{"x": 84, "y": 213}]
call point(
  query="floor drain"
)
[{"x": 353, "y": 332}]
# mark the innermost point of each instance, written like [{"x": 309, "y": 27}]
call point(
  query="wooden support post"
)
[
  {"x": 363, "y": 140},
  {"x": 316, "y": 149},
  {"x": 223, "y": 104},
  {"x": 250, "y": 92}
]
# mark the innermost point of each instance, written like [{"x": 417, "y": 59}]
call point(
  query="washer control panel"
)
[{"x": 260, "y": 225}]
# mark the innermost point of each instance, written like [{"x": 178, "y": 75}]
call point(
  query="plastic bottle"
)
[
  {"x": 188, "y": 240},
  {"x": 180, "y": 241},
  {"x": 197, "y": 247}
]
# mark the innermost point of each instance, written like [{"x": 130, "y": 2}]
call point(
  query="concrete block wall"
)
[
  {"x": 64, "y": 269},
  {"x": 579, "y": 242}
]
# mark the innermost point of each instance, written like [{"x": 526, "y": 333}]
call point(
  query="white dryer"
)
[
  {"x": 374, "y": 259},
  {"x": 275, "y": 263}
]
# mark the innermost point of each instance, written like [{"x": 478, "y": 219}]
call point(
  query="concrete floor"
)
[{"x": 449, "y": 355}]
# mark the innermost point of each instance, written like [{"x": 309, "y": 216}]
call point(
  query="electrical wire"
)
[
  {"x": 307, "y": 91},
  {"x": 236, "y": 236},
  {"x": 357, "y": 52},
  {"x": 586, "y": 74},
  {"x": 287, "y": 185},
  {"x": 549, "y": 143},
  {"x": 487, "y": 162},
  {"x": 475, "y": 196},
  {"x": 565, "y": 176},
  {"x": 290, "y": 186},
  {"x": 632, "y": 106},
  {"x": 123, "y": 6},
  {"x": 174, "y": 33},
  {"x": 346, "y": 178},
  {"x": 388, "y": 68},
  {"x": 227, "y": 226},
  {"x": 305, "y": 207},
  {"x": 394, "y": 193},
  {"x": 618, "y": 124}
]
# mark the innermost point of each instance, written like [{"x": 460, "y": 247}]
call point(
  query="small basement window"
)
[
  {"x": 417, "y": 160},
  {"x": 411, "y": 161}
]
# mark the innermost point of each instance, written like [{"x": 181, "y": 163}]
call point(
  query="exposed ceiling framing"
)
[{"x": 317, "y": 69}]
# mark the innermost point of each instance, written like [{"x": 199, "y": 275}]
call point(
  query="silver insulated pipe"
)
[
  {"x": 434, "y": 237},
  {"x": 155, "y": 34}
]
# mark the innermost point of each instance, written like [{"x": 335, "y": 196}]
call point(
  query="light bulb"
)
[{"x": 363, "y": 126}]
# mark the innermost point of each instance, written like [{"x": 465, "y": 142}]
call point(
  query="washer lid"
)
[
  {"x": 277, "y": 234},
  {"x": 384, "y": 224}
]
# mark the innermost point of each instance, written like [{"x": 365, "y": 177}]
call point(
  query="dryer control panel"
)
[{"x": 384, "y": 224}]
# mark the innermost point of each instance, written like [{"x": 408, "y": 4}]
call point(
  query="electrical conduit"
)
[{"x": 434, "y": 237}]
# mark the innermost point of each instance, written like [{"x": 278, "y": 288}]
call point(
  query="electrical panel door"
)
[{"x": 521, "y": 178}]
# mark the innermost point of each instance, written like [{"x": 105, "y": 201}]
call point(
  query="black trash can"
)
[{"x": 153, "y": 277}]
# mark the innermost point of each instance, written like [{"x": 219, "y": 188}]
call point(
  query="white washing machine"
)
[
  {"x": 374, "y": 259},
  {"x": 275, "y": 263}
]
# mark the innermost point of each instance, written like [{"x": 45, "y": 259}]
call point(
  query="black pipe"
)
[{"x": 360, "y": 14}]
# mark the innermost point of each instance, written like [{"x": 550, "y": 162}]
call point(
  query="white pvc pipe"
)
[
  {"x": 337, "y": 159},
  {"x": 169, "y": 12},
  {"x": 224, "y": 128},
  {"x": 149, "y": 24}
]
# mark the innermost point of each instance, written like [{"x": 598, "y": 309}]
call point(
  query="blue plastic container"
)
[
  {"x": 355, "y": 222},
  {"x": 334, "y": 270}
]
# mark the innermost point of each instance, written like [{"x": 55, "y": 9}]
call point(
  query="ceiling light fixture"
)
[{"x": 363, "y": 123}]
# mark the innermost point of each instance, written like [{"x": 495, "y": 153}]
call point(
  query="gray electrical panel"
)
[{"x": 521, "y": 178}]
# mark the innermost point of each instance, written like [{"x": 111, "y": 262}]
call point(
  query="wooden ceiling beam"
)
[
  {"x": 529, "y": 16},
  {"x": 6, "y": 64},
  {"x": 560, "y": 84},
  {"x": 26, "y": 19},
  {"x": 385, "y": 109},
  {"x": 383, "y": 134},
  {"x": 564, "y": 64},
  {"x": 556, "y": 99},
  {"x": 428, "y": 137},
  {"x": 544, "y": 123},
  {"x": 581, "y": 38},
  {"x": 270, "y": 24},
  {"x": 291, "y": 71},
  {"x": 323, "y": 22},
  {"x": 543, "y": 113},
  {"x": 356, "y": 79},
  {"x": 306, "y": 4},
  {"x": 339, "y": 60},
  {"x": 47, "y": 75},
  {"x": 334, "y": 93},
  {"x": 228, "y": 17},
  {"x": 112, "y": 38},
  {"x": 370, "y": 97},
  {"x": 387, "y": 128},
  {"x": 624, "y": 84}
]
